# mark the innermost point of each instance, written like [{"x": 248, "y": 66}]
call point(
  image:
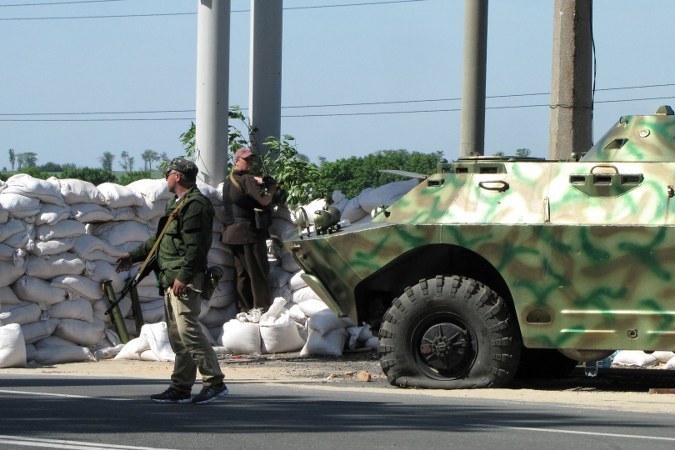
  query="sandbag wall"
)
[{"x": 60, "y": 239}]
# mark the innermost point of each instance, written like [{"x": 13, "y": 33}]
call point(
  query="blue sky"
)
[{"x": 395, "y": 67}]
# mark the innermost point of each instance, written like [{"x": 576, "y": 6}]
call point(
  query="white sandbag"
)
[
  {"x": 153, "y": 311},
  {"x": 117, "y": 196},
  {"x": 385, "y": 195},
  {"x": 310, "y": 208},
  {"x": 33, "y": 332},
  {"x": 62, "y": 354},
  {"x": 53, "y": 247},
  {"x": 8, "y": 297},
  {"x": 282, "y": 291},
  {"x": 90, "y": 212},
  {"x": 152, "y": 344},
  {"x": 240, "y": 337},
  {"x": 4, "y": 216},
  {"x": 48, "y": 267},
  {"x": 44, "y": 190},
  {"x": 7, "y": 253},
  {"x": 281, "y": 229},
  {"x": 62, "y": 229},
  {"x": 282, "y": 336},
  {"x": 10, "y": 271},
  {"x": 296, "y": 282},
  {"x": 634, "y": 358},
  {"x": 325, "y": 321},
  {"x": 663, "y": 357},
  {"x": 51, "y": 342},
  {"x": 152, "y": 190},
  {"x": 329, "y": 344},
  {"x": 311, "y": 307},
  {"x": 79, "y": 286},
  {"x": 19, "y": 206},
  {"x": 81, "y": 332},
  {"x": 216, "y": 317},
  {"x": 118, "y": 233},
  {"x": 213, "y": 194},
  {"x": 89, "y": 247},
  {"x": 223, "y": 296},
  {"x": 101, "y": 271},
  {"x": 150, "y": 210},
  {"x": 220, "y": 257},
  {"x": 124, "y": 213},
  {"x": 23, "y": 313},
  {"x": 38, "y": 291},
  {"x": 10, "y": 228},
  {"x": 12, "y": 346},
  {"x": 80, "y": 191},
  {"x": 358, "y": 336},
  {"x": 52, "y": 214},
  {"x": 352, "y": 211},
  {"x": 373, "y": 343},
  {"x": 296, "y": 314},
  {"x": 304, "y": 294},
  {"x": 79, "y": 308},
  {"x": 21, "y": 240}
]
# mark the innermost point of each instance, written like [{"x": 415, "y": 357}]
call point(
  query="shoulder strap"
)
[
  {"x": 153, "y": 250},
  {"x": 235, "y": 182}
]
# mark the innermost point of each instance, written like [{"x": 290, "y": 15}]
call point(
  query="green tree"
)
[
  {"x": 95, "y": 176},
  {"x": 130, "y": 177},
  {"x": 107, "y": 161},
  {"x": 12, "y": 158},
  {"x": 127, "y": 162},
  {"x": 523, "y": 152},
  {"x": 148, "y": 157},
  {"x": 35, "y": 172},
  {"x": 28, "y": 159},
  {"x": 51, "y": 167}
]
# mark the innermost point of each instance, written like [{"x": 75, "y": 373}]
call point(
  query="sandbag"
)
[
  {"x": 152, "y": 344},
  {"x": 44, "y": 190},
  {"x": 329, "y": 344},
  {"x": 81, "y": 332},
  {"x": 53, "y": 247},
  {"x": 152, "y": 190},
  {"x": 12, "y": 346},
  {"x": 80, "y": 309},
  {"x": 78, "y": 286},
  {"x": 117, "y": 196},
  {"x": 90, "y": 212},
  {"x": 48, "y": 267},
  {"x": 52, "y": 214},
  {"x": 62, "y": 354},
  {"x": 19, "y": 206},
  {"x": 23, "y": 313},
  {"x": 10, "y": 271},
  {"x": 8, "y": 297},
  {"x": 240, "y": 337},
  {"x": 38, "y": 291},
  {"x": 79, "y": 191},
  {"x": 634, "y": 358},
  {"x": 62, "y": 229},
  {"x": 33, "y": 332}
]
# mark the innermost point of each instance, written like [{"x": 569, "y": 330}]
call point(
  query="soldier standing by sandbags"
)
[
  {"x": 247, "y": 200},
  {"x": 182, "y": 261}
]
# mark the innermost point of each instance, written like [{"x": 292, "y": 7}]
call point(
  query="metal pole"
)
[
  {"x": 472, "y": 129},
  {"x": 571, "y": 128},
  {"x": 213, "y": 77},
  {"x": 265, "y": 72}
]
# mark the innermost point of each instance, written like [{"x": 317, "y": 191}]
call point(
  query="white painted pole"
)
[
  {"x": 213, "y": 77},
  {"x": 265, "y": 72}
]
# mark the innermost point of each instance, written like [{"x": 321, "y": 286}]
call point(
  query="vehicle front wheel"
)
[{"x": 449, "y": 332}]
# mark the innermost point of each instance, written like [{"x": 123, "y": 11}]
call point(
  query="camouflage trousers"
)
[{"x": 192, "y": 348}]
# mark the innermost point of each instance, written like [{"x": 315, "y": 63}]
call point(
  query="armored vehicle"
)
[{"x": 497, "y": 265}]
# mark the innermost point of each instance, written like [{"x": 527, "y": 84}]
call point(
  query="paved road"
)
[{"x": 55, "y": 411}]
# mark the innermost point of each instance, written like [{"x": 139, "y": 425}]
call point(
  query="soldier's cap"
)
[
  {"x": 243, "y": 152},
  {"x": 184, "y": 166}
]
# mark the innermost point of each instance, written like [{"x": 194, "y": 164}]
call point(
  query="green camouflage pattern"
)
[{"x": 584, "y": 251}]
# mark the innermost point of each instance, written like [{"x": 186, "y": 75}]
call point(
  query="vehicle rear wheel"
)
[{"x": 449, "y": 333}]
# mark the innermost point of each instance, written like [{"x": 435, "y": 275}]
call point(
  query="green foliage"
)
[
  {"x": 298, "y": 178},
  {"x": 130, "y": 177},
  {"x": 35, "y": 172},
  {"x": 51, "y": 167},
  {"x": 354, "y": 174},
  {"x": 95, "y": 176}
]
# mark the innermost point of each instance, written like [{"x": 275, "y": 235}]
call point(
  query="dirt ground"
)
[{"x": 638, "y": 390}]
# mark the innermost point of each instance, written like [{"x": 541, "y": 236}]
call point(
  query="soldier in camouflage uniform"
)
[{"x": 181, "y": 260}]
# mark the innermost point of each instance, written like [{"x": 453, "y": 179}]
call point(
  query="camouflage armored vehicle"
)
[{"x": 492, "y": 264}]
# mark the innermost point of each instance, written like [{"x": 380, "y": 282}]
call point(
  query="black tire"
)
[
  {"x": 449, "y": 333},
  {"x": 544, "y": 363}
]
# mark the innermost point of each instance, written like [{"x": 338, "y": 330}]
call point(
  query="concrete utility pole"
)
[
  {"x": 472, "y": 129},
  {"x": 571, "y": 129},
  {"x": 213, "y": 79},
  {"x": 265, "y": 72}
]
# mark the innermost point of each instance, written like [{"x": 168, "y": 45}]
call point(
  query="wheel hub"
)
[{"x": 445, "y": 347}]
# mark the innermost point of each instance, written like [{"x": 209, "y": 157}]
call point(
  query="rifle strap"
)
[
  {"x": 235, "y": 182},
  {"x": 171, "y": 218}
]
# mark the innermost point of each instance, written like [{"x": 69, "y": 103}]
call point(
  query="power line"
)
[{"x": 60, "y": 3}]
